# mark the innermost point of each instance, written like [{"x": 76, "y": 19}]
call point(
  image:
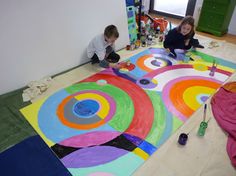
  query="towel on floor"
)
[{"x": 36, "y": 88}]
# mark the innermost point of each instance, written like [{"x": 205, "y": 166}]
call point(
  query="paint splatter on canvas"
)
[{"x": 111, "y": 122}]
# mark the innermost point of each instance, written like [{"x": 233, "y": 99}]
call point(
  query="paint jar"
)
[
  {"x": 183, "y": 139},
  {"x": 128, "y": 63},
  {"x": 212, "y": 71},
  {"x": 202, "y": 128},
  {"x": 132, "y": 46},
  {"x": 186, "y": 59}
]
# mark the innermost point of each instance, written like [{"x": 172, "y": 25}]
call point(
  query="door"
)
[{"x": 173, "y": 8}]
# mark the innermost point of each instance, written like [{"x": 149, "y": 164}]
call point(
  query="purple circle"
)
[
  {"x": 204, "y": 98},
  {"x": 146, "y": 83},
  {"x": 156, "y": 63},
  {"x": 100, "y": 154}
]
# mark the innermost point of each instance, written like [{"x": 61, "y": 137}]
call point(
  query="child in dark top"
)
[
  {"x": 101, "y": 48},
  {"x": 181, "y": 37}
]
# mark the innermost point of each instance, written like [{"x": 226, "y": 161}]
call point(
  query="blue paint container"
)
[{"x": 183, "y": 139}]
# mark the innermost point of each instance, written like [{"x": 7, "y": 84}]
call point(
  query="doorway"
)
[{"x": 175, "y": 9}]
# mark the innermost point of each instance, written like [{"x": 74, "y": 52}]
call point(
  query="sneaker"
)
[
  {"x": 94, "y": 61},
  {"x": 195, "y": 43},
  {"x": 199, "y": 46}
]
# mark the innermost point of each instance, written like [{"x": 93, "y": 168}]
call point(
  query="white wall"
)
[
  {"x": 44, "y": 37},
  {"x": 197, "y": 11},
  {"x": 232, "y": 25}
]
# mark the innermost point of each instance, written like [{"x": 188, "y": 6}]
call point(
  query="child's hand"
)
[{"x": 186, "y": 42}]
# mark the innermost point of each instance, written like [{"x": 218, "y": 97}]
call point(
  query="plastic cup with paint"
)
[
  {"x": 183, "y": 138},
  {"x": 186, "y": 59},
  {"x": 202, "y": 128}
]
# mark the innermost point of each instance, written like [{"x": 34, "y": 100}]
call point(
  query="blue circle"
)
[{"x": 86, "y": 108}]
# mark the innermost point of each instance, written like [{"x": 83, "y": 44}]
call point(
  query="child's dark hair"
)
[
  {"x": 187, "y": 20},
  {"x": 111, "y": 31}
]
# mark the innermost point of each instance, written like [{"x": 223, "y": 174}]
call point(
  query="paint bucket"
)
[{"x": 161, "y": 22}]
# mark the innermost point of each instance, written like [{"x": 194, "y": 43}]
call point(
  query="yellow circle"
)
[
  {"x": 200, "y": 67},
  {"x": 191, "y": 93}
]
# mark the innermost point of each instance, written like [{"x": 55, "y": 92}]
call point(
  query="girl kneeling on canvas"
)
[{"x": 181, "y": 37}]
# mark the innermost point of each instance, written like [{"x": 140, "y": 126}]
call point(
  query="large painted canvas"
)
[{"x": 111, "y": 122}]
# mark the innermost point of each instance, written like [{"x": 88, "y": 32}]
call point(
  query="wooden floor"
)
[{"x": 227, "y": 37}]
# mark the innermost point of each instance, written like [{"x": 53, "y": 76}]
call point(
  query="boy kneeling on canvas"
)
[{"x": 101, "y": 48}]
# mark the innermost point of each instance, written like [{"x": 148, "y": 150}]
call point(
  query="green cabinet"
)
[{"x": 215, "y": 16}]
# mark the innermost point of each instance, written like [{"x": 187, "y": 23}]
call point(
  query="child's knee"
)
[
  {"x": 116, "y": 58},
  {"x": 113, "y": 57}
]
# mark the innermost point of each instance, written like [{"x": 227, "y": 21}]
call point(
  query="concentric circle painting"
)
[{"x": 111, "y": 122}]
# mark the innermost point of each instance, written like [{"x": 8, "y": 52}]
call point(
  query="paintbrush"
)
[
  {"x": 203, "y": 125},
  {"x": 204, "y": 115}
]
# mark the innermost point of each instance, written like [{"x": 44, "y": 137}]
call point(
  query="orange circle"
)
[
  {"x": 177, "y": 91},
  {"x": 141, "y": 65}
]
